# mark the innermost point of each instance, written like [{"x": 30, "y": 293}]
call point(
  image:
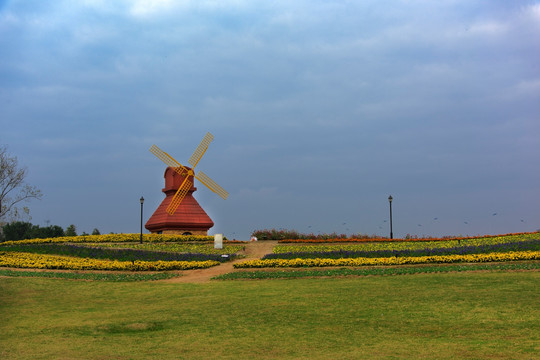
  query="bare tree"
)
[{"x": 13, "y": 189}]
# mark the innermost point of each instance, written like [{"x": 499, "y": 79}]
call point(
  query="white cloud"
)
[
  {"x": 522, "y": 90},
  {"x": 145, "y": 8},
  {"x": 90, "y": 34},
  {"x": 149, "y": 8},
  {"x": 488, "y": 28},
  {"x": 8, "y": 19},
  {"x": 534, "y": 11}
]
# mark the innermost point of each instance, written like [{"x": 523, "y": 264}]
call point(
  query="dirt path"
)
[{"x": 253, "y": 250}]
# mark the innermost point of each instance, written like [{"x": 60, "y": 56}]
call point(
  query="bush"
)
[
  {"x": 46, "y": 232},
  {"x": 20, "y": 230},
  {"x": 17, "y": 230},
  {"x": 71, "y": 230}
]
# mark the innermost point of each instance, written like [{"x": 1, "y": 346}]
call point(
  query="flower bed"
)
[
  {"x": 455, "y": 250},
  {"x": 178, "y": 247},
  {"x": 121, "y": 254},
  {"x": 115, "y": 238},
  {"x": 40, "y": 261},
  {"x": 321, "y": 262},
  {"x": 116, "y": 252},
  {"x": 407, "y": 245},
  {"x": 368, "y": 240}
]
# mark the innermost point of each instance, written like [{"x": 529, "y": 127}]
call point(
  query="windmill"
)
[{"x": 189, "y": 173}]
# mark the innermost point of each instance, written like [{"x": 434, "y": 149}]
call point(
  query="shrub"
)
[
  {"x": 24, "y": 230},
  {"x": 17, "y": 230},
  {"x": 71, "y": 230},
  {"x": 52, "y": 231}
]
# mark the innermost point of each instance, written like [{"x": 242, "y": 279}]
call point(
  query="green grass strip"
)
[
  {"x": 88, "y": 276},
  {"x": 292, "y": 274}
]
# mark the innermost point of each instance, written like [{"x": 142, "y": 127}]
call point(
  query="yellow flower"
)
[
  {"x": 38, "y": 261},
  {"x": 318, "y": 262}
]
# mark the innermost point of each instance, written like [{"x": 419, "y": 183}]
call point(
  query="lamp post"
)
[
  {"x": 142, "y": 202},
  {"x": 390, "y": 202}
]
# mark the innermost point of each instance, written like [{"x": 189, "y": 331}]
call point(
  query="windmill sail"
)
[
  {"x": 200, "y": 150},
  {"x": 211, "y": 184},
  {"x": 168, "y": 159},
  {"x": 188, "y": 173},
  {"x": 179, "y": 196}
]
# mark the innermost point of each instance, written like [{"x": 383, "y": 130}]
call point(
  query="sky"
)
[{"x": 320, "y": 110}]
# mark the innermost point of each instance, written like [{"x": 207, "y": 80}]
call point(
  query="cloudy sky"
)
[{"x": 320, "y": 111}]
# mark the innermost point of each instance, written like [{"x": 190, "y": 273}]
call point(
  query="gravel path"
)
[{"x": 253, "y": 250}]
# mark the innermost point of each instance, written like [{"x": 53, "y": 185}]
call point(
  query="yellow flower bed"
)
[
  {"x": 319, "y": 262},
  {"x": 407, "y": 245},
  {"x": 206, "y": 248},
  {"x": 153, "y": 238},
  {"x": 37, "y": 261}
]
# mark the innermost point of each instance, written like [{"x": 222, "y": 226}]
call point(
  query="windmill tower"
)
[
  {"x": 189, "y": 217},
  {"x": 179, "y": 212}
]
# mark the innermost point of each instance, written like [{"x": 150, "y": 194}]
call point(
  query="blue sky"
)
[{"x": 320, "y": 111}]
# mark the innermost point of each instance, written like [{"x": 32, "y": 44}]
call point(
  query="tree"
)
[
  {"x": 71, "y": 230},
  {"x": 51, "y": 231},
  {"x": 19, "y": 230},
  {"x": 96, "y": 232},
  {"x": 13, "y": 189}
]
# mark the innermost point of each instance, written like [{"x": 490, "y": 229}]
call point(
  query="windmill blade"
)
[
  {"x": 179, "y": 196},
  {"x": 163, "y": 156},
  {"x": 211, "y": 184},
  {"x": 200, "y": 150},
  {"x": 168, "y": 160}
]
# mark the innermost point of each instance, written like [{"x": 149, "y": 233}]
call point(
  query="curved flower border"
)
[
  {"x": 38, "y": 261},
  {"x": 471, "y": 258},
  {"x": 115, "y": 238}
]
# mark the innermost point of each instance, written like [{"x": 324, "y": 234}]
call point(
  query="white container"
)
[{"x": 218, "y": 241}]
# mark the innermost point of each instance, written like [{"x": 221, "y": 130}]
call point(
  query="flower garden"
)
[
  {"x": 118, "y": 252},
  {"x": 124, "y": 252},
  {"x": 485, "y": 249}
]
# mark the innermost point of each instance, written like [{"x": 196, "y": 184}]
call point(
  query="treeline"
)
[{"x": 20, "y": 230}]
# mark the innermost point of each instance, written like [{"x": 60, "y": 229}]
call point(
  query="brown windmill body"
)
[{"x": 189, "y": 217}]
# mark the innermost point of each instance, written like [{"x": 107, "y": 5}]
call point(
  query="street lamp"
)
[
  {"x": 142, "y": 202},
  {"x": 390, "y": 202}
]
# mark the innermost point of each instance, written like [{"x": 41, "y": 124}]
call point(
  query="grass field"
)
[{"x": 486, "y": 315}]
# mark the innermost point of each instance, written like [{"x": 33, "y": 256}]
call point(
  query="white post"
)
[{"x": 218, "y": 241}]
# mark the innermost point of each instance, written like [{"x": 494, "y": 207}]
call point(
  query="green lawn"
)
[{"x": 486, "y": 315}]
